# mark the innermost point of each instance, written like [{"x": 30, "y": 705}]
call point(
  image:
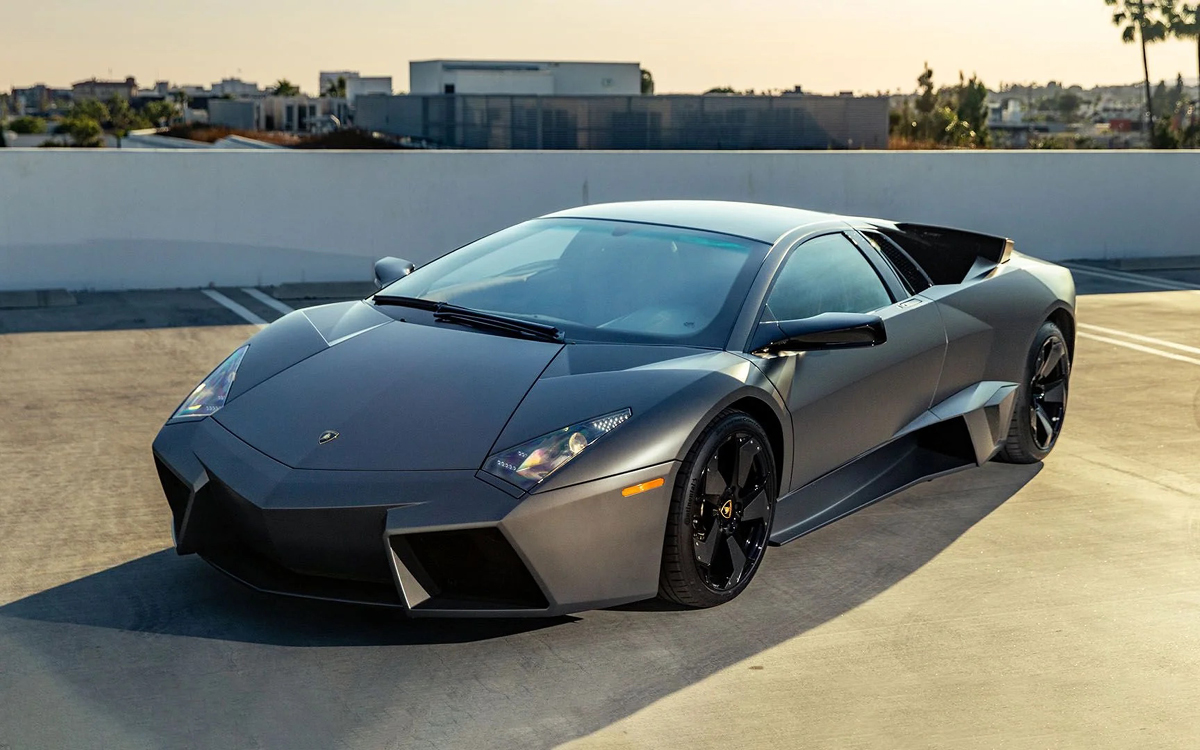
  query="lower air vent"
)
[
  {"x": 177, "y": 494},
  {"x": 468, "y": 569}
]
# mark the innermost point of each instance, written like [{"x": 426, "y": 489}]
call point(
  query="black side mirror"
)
[
  {"x": 820, "y": 332},
  {"x": 391, "y": 269}
]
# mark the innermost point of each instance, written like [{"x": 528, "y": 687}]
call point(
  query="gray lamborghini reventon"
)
[{"x": 613, "y": 403}]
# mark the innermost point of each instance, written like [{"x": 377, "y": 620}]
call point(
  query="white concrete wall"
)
[
  {"x": 112, "y": 219},
  {"x": 596, "y": 79},
  {"x": 521, "y": 82}
]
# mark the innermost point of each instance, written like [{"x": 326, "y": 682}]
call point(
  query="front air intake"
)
[
  {"x": 177, "y": 492},
  {"x": 471, "y": 569}
]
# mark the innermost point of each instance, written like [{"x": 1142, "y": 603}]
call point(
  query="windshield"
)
[{"x": 599, "y": 280}]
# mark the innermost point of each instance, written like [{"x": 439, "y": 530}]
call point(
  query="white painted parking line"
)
[
  {"x": 234, "y": 307},
  {"x": 1140, "y": 348},
  {"x": 1139, "y": 337},
  {"x": 267, "y": 300},
  {"x": 1133, "y": 278}
]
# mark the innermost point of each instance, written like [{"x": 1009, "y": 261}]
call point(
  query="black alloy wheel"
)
[
  {"x": 1048, "y": 393},
  {"x": 720, "y": 521},
  {"x": 729, "y": 532},
  {"x": 1041, "y": 400}
]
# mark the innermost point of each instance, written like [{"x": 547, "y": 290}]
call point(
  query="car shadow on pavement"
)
[
  {"x": 172, "y": 595},
  {"x": 162, "y": 651}
]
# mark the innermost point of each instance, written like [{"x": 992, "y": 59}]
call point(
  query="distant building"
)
[
  {"x": 356, "y": 85},
  {"x": 525, "y": 78},
  {"x": 296, "y": 114},
  {"x": 631, "y": 122},
  {"x": 367, "y": 85},
  {"x": 104, "y": 90},
  {"x": 1006, "y": 113},
  {"x": 235, "y": 87},
  {"x": 39, "y": 99},
  {"x": 239, "y": 114}
]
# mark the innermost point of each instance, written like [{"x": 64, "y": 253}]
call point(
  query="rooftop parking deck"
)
[{"x": 1047, "y": 605}]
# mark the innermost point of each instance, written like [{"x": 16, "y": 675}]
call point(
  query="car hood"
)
[{"x": 399, "y": 396}]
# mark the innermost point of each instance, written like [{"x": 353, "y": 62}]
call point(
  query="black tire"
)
[
  {"x": 1032, "y": 435},
  {"x": 702, "y": 522}
]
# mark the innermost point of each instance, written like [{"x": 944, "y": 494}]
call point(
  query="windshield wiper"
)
[
  {"x": 417, "y": 302},
  {"x": 466, "y": 316}
]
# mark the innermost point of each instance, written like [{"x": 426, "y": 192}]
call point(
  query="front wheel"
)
[
  {"x": 721, "y": 511},
  {"x": 1041, "y": 400}
]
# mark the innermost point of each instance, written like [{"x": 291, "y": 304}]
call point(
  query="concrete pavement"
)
[{"x": 1044, "y": 606}]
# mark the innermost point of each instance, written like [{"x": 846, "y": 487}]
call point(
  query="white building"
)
[
  {"x": 525, "y": 78},
  {"x": 299, "y": 114},
  {"x": 356, "y": 84},
  {"x": 235, "y": 87}
]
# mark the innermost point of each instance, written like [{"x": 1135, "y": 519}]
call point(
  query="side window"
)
[{"x": 826, "y": 274}]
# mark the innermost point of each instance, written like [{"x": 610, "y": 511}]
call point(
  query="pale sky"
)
[{"x": 689, "y": 45}]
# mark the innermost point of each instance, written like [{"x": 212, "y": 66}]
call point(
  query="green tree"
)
[
  {"x": 336, "y": 89},
  {"x": 1140, "y": 21},
  {"x": 1068, "y": 105},
  {"x": 971, "y": 109},
  {"x": 159, "y": 113},
  {"x": 647, "y": 82},
  {"x": 926, "y": 98},
  {"x": 27, "y": 125},
  {"x": 90, "y": 109},
  {"x": 83, "y": 131},
  {"x": 954, "y": 117},
  {"x": 122, "y": 118},
  {"x": 284, "y": 87},
  {"x": 1183, "y": 23}
]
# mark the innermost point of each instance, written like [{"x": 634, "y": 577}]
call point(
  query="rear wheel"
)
[
  {"x": 1041, "y": 399},
  {"x": 721, "y": 512}
]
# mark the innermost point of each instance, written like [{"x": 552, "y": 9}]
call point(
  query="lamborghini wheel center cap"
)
[{"x": 727, "y": 509}]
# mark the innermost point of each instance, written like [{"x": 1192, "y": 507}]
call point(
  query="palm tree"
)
[
  {"x": 337, "y": 89},
  {"x": 284, "y": 87},
  {"x": 647, "y": 82},
  {"x": 1140, "y": 20},
  {"x": 181, "y": 100},
  {"x": 1184, "y": 23}
]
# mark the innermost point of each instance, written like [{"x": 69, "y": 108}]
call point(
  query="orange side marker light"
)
[{"x": 635, "y": 489}]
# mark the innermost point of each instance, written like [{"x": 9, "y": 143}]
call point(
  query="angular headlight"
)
[
  {"x": 210, "y": 395},
  {"x": 529, "y": 463}
]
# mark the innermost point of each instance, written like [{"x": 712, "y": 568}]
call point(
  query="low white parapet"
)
[{"x": 144, "y": 219}]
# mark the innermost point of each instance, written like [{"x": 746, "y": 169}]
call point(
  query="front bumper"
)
[{"x": 435, "y": 543}]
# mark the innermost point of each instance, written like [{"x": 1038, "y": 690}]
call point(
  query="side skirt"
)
[{"x": 936, "y": 449}]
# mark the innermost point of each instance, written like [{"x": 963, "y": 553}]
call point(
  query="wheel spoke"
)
[
  {"x": 1057, "y": 350},
  {"x": 745, "y": 462},
  {"x": 756, "y": 509},
  {"x": 706, "y": 551},
  {"x": 1043, "y": 420},
  {"x": 714, "y": 483},
  {"x": 1056, "y": 393},
  {"x": 738, "y": 558}
]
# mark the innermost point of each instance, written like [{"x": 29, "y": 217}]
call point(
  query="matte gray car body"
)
[{"x": 370, "y": 516}]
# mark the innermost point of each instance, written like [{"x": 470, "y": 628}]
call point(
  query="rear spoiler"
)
[{"x": 948, "y": 256}]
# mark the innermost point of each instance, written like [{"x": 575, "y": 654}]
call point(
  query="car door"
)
[{"x": 845, "y": 402}]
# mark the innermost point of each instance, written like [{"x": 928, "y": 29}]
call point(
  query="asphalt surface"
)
[{"x": 1056, "y": 605}]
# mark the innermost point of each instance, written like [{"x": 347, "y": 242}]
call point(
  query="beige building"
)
[{"x": 104, "y": 90}]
